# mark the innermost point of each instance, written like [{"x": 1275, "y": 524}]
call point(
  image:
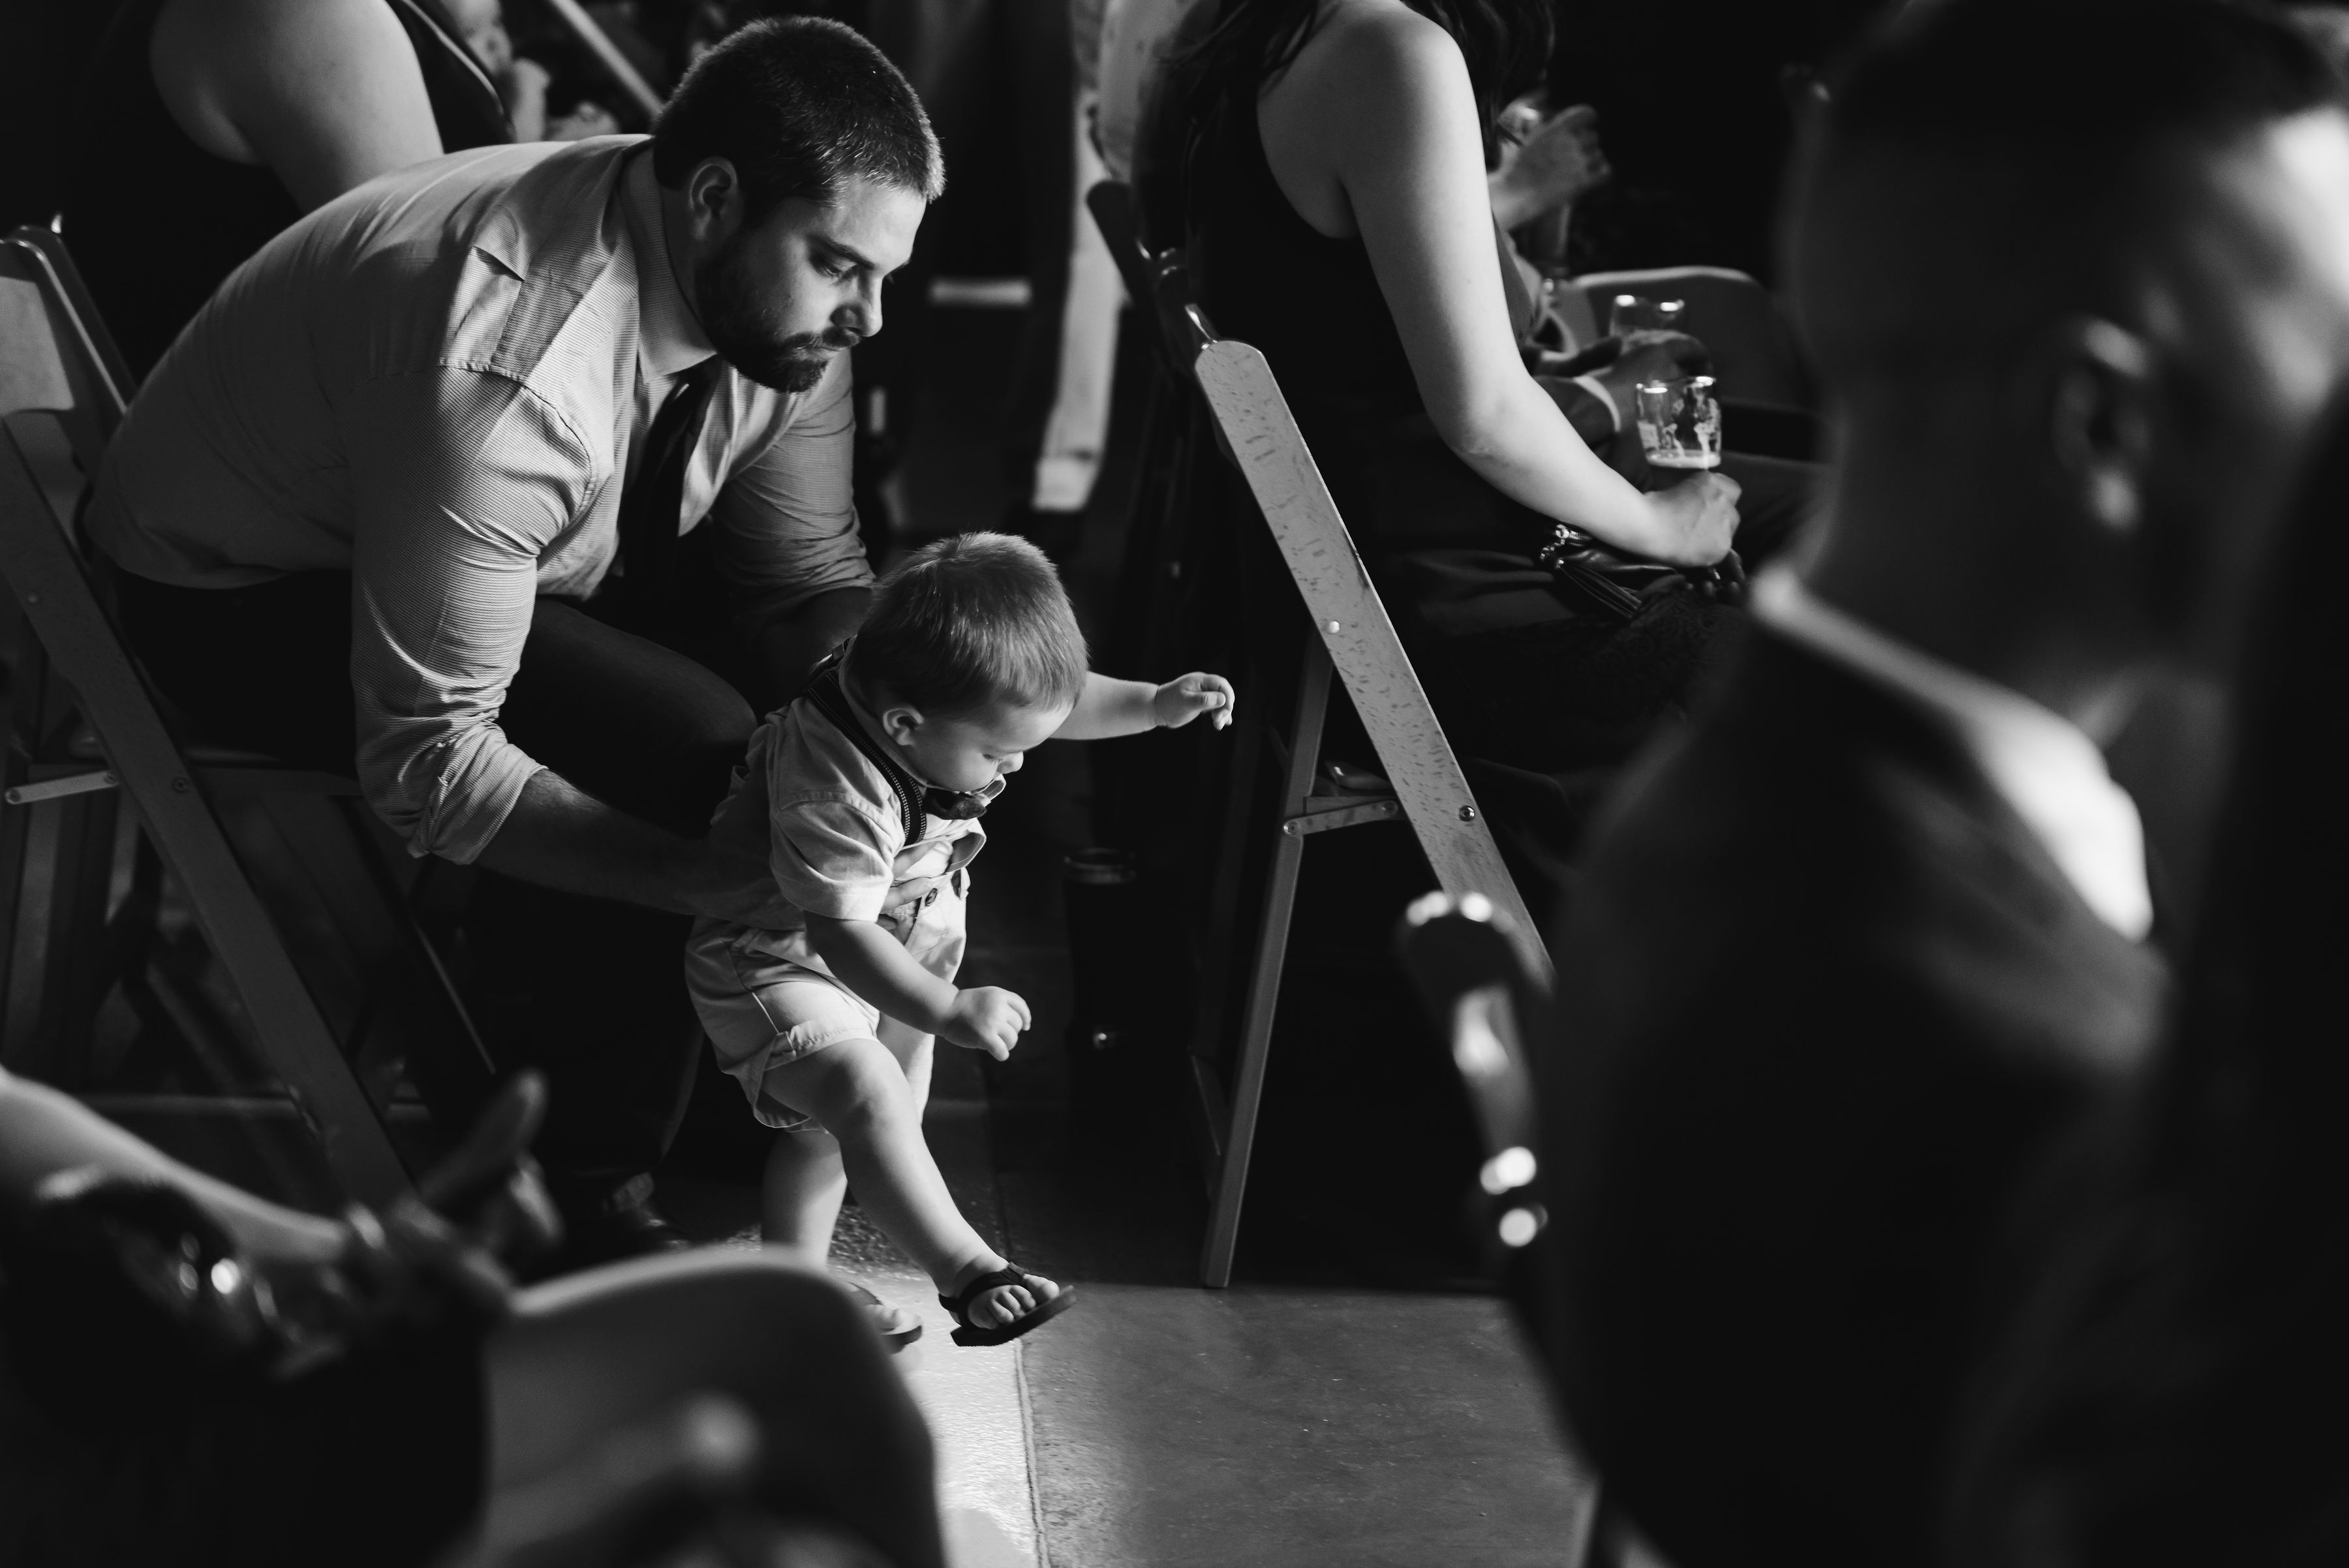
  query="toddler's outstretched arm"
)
[
  {"x": 876, "y": 966},
  {"x": 1109, "y": 707}
]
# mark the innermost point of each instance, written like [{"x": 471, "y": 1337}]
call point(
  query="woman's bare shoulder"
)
[
  {"x": 1373, "y": 70},
  {"x": 274, "y": 26},
  {"x": 327, "y": 93},
  {"x": 1384, "y": 39}
]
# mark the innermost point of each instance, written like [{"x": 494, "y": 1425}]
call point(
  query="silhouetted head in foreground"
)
[{"x": 2075, "y": 274}]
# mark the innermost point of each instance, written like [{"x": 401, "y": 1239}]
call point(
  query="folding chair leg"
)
[
  {"x": 1223, "y": 890},
  {"x": 77, "y": 975},
  {"x": 1264, "y": 982},
  {"x": 26, "y": 851}
]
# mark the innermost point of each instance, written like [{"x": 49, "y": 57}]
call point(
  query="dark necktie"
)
[{"x": 652, "y": 504}]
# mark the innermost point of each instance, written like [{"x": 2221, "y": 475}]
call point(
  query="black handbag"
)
[{"x": 1617, "y": 585}]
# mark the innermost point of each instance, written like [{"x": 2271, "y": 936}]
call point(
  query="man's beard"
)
[{"x": 744, "y": 333}]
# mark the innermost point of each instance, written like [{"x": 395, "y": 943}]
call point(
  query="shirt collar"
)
[
  {"x": 2041, "y": 764},
  {"x": 668, "y": 337}
]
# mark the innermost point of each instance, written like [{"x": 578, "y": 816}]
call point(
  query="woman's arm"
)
[
  {"x": 43, "y": 1132},
  {"x": 326, "y": 93},
  {"x": 1375, "y": 127}
]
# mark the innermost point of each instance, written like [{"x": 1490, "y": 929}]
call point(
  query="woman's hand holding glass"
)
[{"x": 1695, "y": 520}]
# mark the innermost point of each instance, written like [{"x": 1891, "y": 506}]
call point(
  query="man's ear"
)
[
  {"x": 713, "y": 201},
  {"x": 2098, "y": 408}
]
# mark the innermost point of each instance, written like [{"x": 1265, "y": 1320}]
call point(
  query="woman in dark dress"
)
[
  {"x": 1340, "y": 221},
  {"x": 2174, "y": 1394},
  {"x": 202, "y": 128}
]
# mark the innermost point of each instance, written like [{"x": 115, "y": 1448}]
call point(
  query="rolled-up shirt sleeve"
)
[
  {"x": 461, "y": 480},
  {"x": 786, "y": 517}
]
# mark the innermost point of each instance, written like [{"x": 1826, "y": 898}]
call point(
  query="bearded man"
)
[{"x": 475, "y": 479}]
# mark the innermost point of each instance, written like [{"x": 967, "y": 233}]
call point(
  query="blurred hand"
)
[
  {"x": 589, "y": 118},
  {"x": 1555, "y": 162},
  {"x": 1182, "y": 700},
  {"x": 1697, "y": 520},
  {"x": 523, "y": 84},
  {"x": 1649, "y": 357},
  {"x": 438, "y": 1256},
  {"x": 490, "y": 1188},
  {"x": 985, "y": 1018}
]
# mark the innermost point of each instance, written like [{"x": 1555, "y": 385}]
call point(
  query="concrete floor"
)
[{"x": 1306, "y": 1417}]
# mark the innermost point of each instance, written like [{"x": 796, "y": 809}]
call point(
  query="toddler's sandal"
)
[
  {"x": 897, "y": 1339},
  {"x": 1036, "y": 1316}
]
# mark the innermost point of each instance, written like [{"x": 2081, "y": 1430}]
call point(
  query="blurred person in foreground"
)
[
  {"x": 1859, "y": 948},
  {"x": 191, "y": 1373},
  {"x": 2170, "y": 1391},
  {"x": 511, "y": 482}
]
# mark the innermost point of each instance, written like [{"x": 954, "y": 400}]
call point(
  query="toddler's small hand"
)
[
  {"x": 985, "y": 1018},
  {"x": 1180, "y": 700}
]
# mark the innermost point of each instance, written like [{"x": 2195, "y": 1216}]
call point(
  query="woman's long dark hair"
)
[
  {"x": 2176, "y": 1394},
  {"x": 1507, "y": 43}
]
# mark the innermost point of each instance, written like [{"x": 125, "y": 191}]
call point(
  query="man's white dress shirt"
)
[
  {"x": 2041, "y": 764},
  {"x": 437, "y": 382}
]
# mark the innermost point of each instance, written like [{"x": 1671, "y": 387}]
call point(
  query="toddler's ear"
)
[{"x": 901, "y": 724}]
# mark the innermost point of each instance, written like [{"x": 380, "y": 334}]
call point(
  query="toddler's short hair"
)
[{"x": 975, "y": 619}]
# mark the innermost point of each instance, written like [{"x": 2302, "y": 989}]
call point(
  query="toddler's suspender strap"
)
[{"x": 823, "y": 689}]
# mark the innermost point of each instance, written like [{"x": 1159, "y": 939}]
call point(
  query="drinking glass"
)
[
  {"x": 1680, "y": 422},
  {"x": 1630, "y": 313}
]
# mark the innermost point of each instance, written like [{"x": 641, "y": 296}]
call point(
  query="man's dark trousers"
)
[
  {"x": 1830, "y": 1020},
  {"x": 590, "y": 990}
]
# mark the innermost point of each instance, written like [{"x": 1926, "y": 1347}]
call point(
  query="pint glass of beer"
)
[{"x": 1680, "y": 422}]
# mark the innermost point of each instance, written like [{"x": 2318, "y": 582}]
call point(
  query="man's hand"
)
[
  {"x": 1184, "y": 699},
  {"x": 732, "y": 882},
  {"x": 985, "y": 1018},
  {"x": 728, "y": 875}
]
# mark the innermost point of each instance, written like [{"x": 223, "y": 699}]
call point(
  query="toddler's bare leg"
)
[
  {"x": 864, "y": 1094},
  {"x": 803, "y": 1191},
  {"x": 805, "y": 1181}
]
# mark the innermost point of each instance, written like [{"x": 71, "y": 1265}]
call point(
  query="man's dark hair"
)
[
  {"x": 968, "y": 621},
  {"x": 799, "y": 105},
  {"x": 1984, "y": 163}
]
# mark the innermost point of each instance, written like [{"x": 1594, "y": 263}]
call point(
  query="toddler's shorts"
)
[{"x": 762, "y": 1010}]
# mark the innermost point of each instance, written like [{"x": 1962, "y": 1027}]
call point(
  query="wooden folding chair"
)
[
  {"x": 338, "y": 986},
  {"x": 1355, "y": 642}
]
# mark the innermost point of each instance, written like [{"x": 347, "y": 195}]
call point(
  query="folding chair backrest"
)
[
  {"x": 62, "y": 392},
  {"x": 1752, "y": 347},
  {"x": 53, "y": 354},
  {"x": 1262, "y": 436}
]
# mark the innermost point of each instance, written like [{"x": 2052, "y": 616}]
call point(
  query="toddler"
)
[{"x": 867, "y": 789}]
